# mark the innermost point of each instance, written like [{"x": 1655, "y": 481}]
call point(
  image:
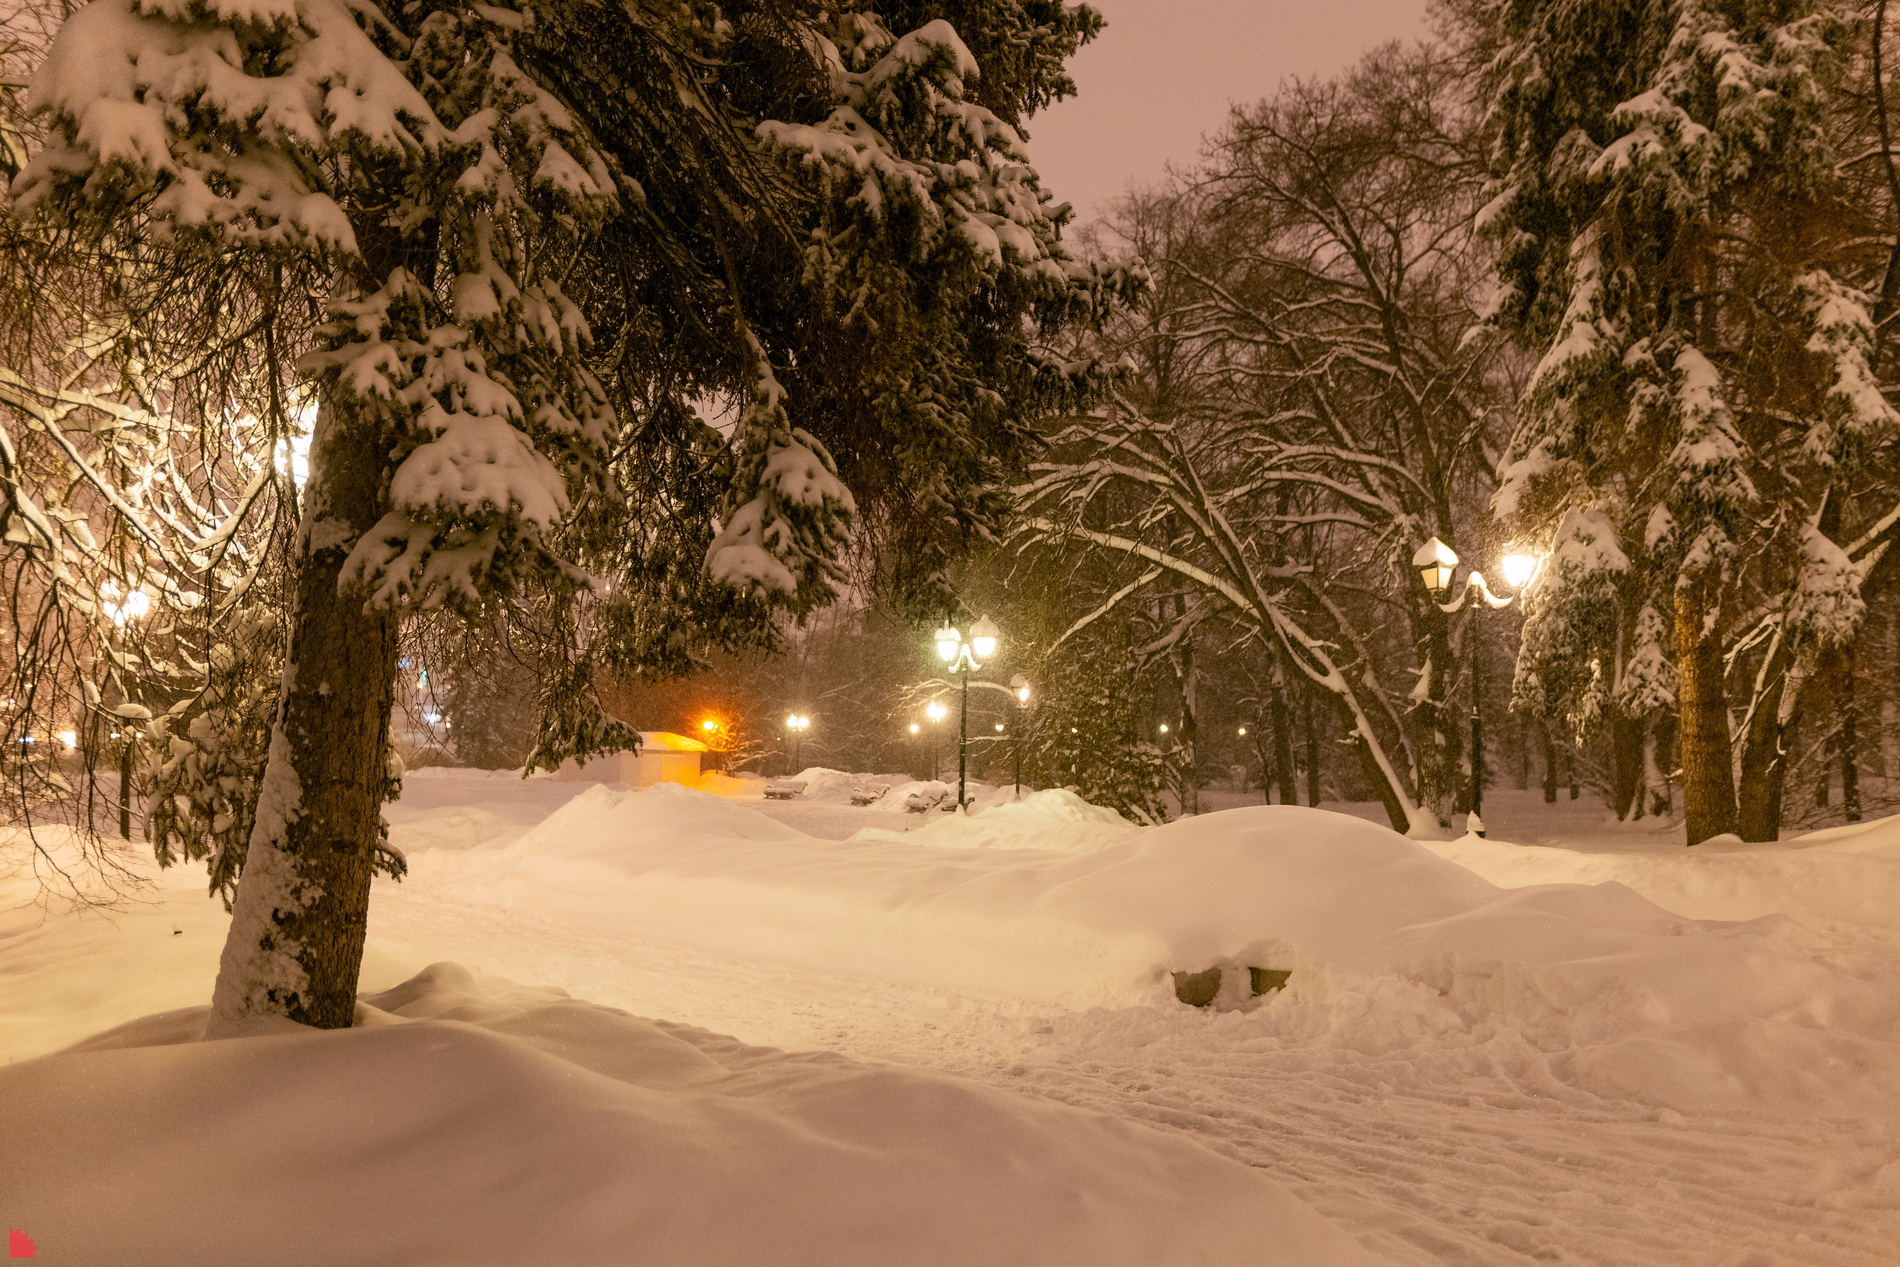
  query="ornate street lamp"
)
[
  {"x": 1435, "y": 561},
  {"x": 961, "y": 657},
  {"x": 936, "y": 712},
  {"x": 122, "y": 612},
  {"x": 796, "y": 725}
]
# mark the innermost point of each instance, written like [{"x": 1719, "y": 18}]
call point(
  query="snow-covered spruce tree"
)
[
  {"x": 1088, "y": 725},
  {"x": 416, "y": 170},
  {"x": 878, "y": 279},
  {"x": 1662, "y": 215},
  {"x": 406, "y": 168}
]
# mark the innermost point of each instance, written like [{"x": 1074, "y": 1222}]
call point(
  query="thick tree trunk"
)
[
  {"x": 1626, "y": 769},
  {"x": 1708, "y": 782},
  {"x": 1312, "y": 755},
  {"x": 1764, "y": 762},
  {"x": 1394, "y": 807},
  {"x": 1190, "y": 729},
  {"x": 302, "y": 904},
  {"x": 1550, "y": 763},
  {"x": 1662, "y": 765},
  {"x": 1436, "y": 738},
  {"x": 1283, "y": 769},
  {"x": 1850, "y": 743}
]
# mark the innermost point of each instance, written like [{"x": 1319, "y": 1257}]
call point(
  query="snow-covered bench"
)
[
  {"x": 869, "y": 793},
  {"x": 784, "y": 789},
  {"x": 924, "y": 800}
]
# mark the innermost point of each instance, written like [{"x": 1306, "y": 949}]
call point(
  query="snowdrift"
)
[
  {"x": 470, "y": 1121},
  {"x": 1840, "y": 880},
  {"x": 1388, "y": 944}
]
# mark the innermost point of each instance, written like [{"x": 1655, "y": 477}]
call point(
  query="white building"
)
[{"x": 663, "y": 757}]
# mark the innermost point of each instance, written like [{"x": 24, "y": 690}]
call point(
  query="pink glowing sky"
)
[{"x": 1165, "y": 71}]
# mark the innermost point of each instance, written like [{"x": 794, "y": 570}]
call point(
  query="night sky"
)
[{"x": 1164, "y": 72}]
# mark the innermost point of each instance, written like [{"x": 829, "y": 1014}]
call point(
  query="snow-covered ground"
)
[{"x": 1601, "y": 1048}]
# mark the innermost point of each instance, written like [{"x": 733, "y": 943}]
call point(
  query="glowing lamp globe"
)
[
  {"x": 1519, "y": 569},
  {"x": 949, "y": 639},
  {"x": 984, "y": 636}
]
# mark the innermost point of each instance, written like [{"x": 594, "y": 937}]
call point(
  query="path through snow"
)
[{"x": 1484, "y": 1154}]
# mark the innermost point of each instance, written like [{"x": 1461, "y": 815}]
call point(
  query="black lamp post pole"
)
[
  {"x": 125, "y": 778},
  {"x": 1477, "y": 719},
  {"x": 963, "y": 741}
]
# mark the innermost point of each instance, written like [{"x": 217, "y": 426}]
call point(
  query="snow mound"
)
[
  {"x": 1056, "y": 819},
  {"x": 1841, "y": 881},
  {"x": 468, "y": 1121},
  {"x": 1388, "y": 944}
]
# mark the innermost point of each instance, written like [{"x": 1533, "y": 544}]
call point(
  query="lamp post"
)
[
  {"x": 961, "y": 657},
  {"x": 1435, "y": 562},
  {"x": 1019, "y": 685},
  {"x": 796, "y": 725},
  {"x": 936, "y": 712},
  {"x": 122, "y": 611}
]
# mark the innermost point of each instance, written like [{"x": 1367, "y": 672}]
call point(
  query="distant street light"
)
[
  {"x": 961, "y": 657},
  {"x": 1435, "y": 562},
  {"x": 121, "y": 611},
  {"x": 1020, "y": 685},
  {"x": 797, "y": 724},
  {"x": 936, "y": 712}
]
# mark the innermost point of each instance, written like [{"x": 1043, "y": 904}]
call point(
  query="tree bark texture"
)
[
  {"x": 1764, "y": 752},
  {"x": 1283, "y": 771},
  {"x": 1312, "y": 755},
  {"x": 1850, "y": 742},
  {"x": 1626, "y": 766},
  {"x": 1708, "y": 782},
  {"x": 301, "y": 910},
  {"x": 1550, "y": 763},
  {"x": 1435, "y": 735}
]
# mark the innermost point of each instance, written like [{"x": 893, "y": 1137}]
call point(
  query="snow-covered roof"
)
[{"x": 667, "y": 741}]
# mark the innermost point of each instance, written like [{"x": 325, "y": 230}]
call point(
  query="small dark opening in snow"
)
[{"x": 1199, "y": 989}]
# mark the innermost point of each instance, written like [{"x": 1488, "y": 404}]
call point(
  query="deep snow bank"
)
[
  {"x": 478, "y": 1122},
  {"x": 1389, "y": 944},
  {"x": 1843, "y": 880}
]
